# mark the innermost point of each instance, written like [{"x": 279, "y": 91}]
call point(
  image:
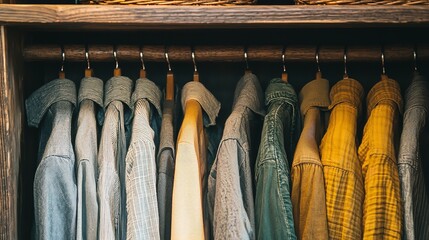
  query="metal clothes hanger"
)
[
  {"x": 61, "y": 74},
  {"x": 143, "y": 69},
  {"x": 383, "y": 68},
  {"x": 346, "y": 75},
  {"x": 169, "y": 93},
  {"x": 117, "y": 70},
  {"x": 318, "y": 73},
  {"x": 415, "y": 60},
  {"x": 88, "y": 71},
  {"x": 246, "y": 61},
  {"x": 196, "y": 75},
  {"x": 284, "y": 73}
]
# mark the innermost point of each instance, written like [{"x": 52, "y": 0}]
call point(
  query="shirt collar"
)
[
  {"x": 196, "y": 91},
  {"x": 146, "y": 89},
  {"x": 248, "y": 93},
  {"x": 349, "y": 91},
  {"x": 417, "y": 94},
  {"x": 314, "y": 94},
  {"x": 43, "y": 98},
  {"x": 279, "y": 90},
  {"x": 385, "y": 90}
]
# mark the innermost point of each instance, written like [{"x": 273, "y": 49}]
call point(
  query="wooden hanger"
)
[
  {"x": 88, "y": 70},
  {"x": 143, "y": 69},
  {"x": 169, "y": 92},
  {"x": 117, "y": 70},
  {"x": 284, "y": 73},
  {"x": 62, "y": 74}
]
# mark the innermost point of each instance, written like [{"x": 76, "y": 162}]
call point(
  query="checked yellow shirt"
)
[
  {"x": 382, "y": 207},
  {"x": 342, "y": 170}
]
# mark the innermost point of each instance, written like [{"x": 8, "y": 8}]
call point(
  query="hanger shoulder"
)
[{"x": 169, "y": 92}]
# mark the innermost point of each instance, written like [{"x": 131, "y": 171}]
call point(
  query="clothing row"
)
[{"x": 284, "y": 166}]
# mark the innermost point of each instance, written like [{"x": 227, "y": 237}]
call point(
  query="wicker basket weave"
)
[
  {"x": 362, "y": 2},
  {"x": 175, "y": 2}
]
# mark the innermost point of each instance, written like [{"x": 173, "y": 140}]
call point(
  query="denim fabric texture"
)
[
  {"x": 414, "y": 191},
  {"x": 90, "y": 101},
  {"x": 142, "y": 202},
  {"x": 189, "y": 211},
  {"x": 281, "y": 130},
  {"x": 230, "y": 182},
  {"x": 55, "y": 190},
  {"x": 111, "y": 160}
]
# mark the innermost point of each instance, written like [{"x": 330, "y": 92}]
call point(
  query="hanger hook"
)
[
  {"x": 142, "y": 58},
  {"x": 383, "y": 68},
  {"x": 167, "y": 59},
  {"x": 115, "y": 56},
  {"x": 317, "y": 59},
  {"x": 345, "y": 62},
  {"x": 63, "y": 58},
  {"x": 193, "y": 60},
  {"x": 415, "y": 58},
  {"x": 246, "y": 58},
  {"x": 88, "y": 65},
  {"x": 283, "y": 59}
]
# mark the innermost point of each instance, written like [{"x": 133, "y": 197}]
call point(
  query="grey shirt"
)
[
  {"x": 230, "y": 185},
  {"x": 86, "y": 147},
  {"x": 55, "y": 190},
  {"x": 414, "y": 192},
  {"x": 111, "y": 160},
  {"x": 142, "y": 202}
]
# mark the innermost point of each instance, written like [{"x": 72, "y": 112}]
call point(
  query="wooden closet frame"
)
[{"x": 92, "y": 17}]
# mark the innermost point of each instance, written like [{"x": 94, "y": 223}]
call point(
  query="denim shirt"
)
[
  {"x": 142, "y": 204},
  {"x": 415, "y": 197},
  {"x": 90, "y": 100},
  {"x": 230, "y": 183},
  {"x": 55, "y": 190},
  {"x": 280, "y": 133},
  {"x": 111, "y": 159}
]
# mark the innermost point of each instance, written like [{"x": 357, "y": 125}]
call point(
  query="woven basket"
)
[
  {"x": 175, "y": 2},
  {"x": 362, "y": 2}
]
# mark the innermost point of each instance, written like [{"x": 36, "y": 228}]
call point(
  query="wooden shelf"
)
[{"x": 92, "y": 17}]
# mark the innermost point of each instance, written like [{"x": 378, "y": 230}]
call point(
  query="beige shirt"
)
[
  {"x": 188, "y": 219},
  {"x": 308, "y": 188}
]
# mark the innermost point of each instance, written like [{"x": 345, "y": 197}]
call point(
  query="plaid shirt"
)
[
  {"x": 342, "y": 170},
  {"x": 382, "y": 207},
  {"x": 142, "y": 202}
]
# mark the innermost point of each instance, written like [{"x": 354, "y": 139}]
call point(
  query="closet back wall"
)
[{"x": 220, "y": 78}]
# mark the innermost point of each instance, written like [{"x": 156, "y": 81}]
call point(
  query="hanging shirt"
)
[
  {"x": 415, "y": 196},
  {"x": 111, "y": 160},
  {"x": 308, "y": 184},
  {"x": 165, "y": 160},
  {"x": 142, "y": 204},
  {"x": 382, "y": 211},
  {"x": 230, "y": 184},
  {"x": 86, "y": 146},
  {"x": 280, "y": 133},
  {"x": 188, "y": 204},
  {"x": 341, "y": 167},
  {"x": 55, "y": 190}
]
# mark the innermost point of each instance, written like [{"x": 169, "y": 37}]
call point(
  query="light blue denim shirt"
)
[
  {"x": 230, "y": 183},
  {"x": 280, "y": 133},
  {"x": 412, "y": 152},
  {"x": 90, "y": 101},
  {"x": 55, "y": 190},
  {"x": 142, "y": 202},
  {"x": 111, "y": 159}
]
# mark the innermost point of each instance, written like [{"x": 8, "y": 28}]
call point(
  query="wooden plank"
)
[
  {"x": 10, "y": 134},
  {"x": 205, "y": 17},
  {"x": 293, "y": 53}
]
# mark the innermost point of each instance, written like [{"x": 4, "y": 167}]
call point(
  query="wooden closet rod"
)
[{"x": 266, "y": 53}]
